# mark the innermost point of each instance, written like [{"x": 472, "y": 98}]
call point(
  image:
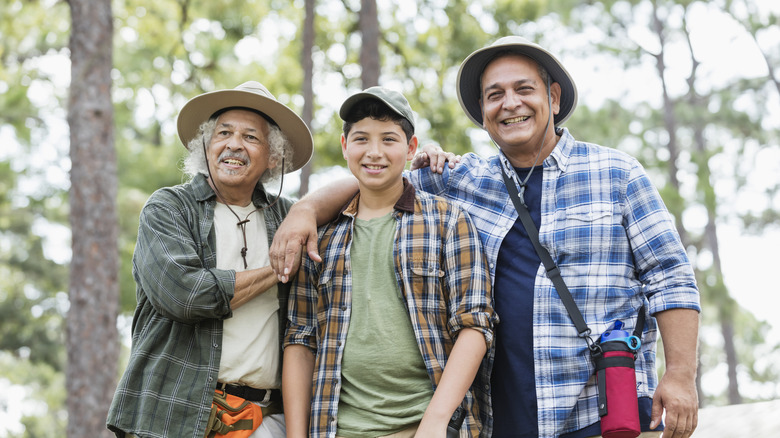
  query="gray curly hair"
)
[{"x": 278, "y": 145}]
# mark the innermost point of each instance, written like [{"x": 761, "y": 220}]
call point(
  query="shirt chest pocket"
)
[
  {"x": 426, "y": 277},
  {"x": 588, "y": 228}
]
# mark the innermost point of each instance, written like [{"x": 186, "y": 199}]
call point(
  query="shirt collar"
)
[
  {"x": 405, "y": 203},
  {"x": 559, "y": 156},
  {"x": 204, "y": 192}
]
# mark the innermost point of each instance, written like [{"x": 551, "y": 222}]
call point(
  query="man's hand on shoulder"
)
[
  {"x": 433, "y": 156},
  {"x": 298, "y": 229}
]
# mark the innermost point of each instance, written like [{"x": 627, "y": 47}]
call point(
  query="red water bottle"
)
[{"x": 618, "y": 406}]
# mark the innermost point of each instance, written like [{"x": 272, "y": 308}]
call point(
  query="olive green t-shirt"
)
[{"x": 385, "y": 386}]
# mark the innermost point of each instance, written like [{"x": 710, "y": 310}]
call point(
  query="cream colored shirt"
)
[{"x": 250, "y": 341}]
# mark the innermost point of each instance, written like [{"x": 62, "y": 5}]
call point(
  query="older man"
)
[
  {"x": 605, "y": 226},
  {"x": 210, "y": 313}
]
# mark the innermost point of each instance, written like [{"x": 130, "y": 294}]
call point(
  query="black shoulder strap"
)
[{"x": 549, "y": 265}]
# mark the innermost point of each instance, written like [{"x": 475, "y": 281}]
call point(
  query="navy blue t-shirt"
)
[{"x": 513, "y": 382}]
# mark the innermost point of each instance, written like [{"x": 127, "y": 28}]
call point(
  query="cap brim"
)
[
  {"x": 470, "y": 76},
  {"x": 198, "y": 110}
]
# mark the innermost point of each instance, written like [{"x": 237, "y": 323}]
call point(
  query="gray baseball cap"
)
[
  {"x": 470, "y": 75},
  {"x": 393, "y": 99}
]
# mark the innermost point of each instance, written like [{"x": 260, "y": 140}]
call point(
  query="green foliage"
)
[{"x": 40, "y": 395}]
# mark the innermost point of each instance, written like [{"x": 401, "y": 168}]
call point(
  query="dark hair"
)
[{"x": 377, "y": 110}]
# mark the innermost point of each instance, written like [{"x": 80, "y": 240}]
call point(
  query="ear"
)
[
  {"x": 412, "y": 148},
  {"x": 343, "y": 146},
  {"x": 272, "y": 163},
  {"x": 555, "y": 95}
]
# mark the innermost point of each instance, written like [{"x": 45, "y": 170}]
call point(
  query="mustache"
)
[{"x": 226, "y": 155}]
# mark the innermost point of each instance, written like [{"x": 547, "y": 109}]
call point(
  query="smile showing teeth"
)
[
  {"x": 515, "y": 120},
  {"x": 373, "y": 166},
  {"x": 233, "y": 162}
]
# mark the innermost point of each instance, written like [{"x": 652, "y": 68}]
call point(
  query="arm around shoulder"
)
[{"x": 299, "y": 228}]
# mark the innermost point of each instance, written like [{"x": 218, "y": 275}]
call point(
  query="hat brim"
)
[
  {"x": 470, "y": 77},
  {"x": 200, "y": 108}
]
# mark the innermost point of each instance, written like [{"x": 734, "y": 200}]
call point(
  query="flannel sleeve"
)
[
  {"x": 302, "y": 308},
  {"x": 467, "y": 279},
  {"x": 168, "y": 268},
  {"x": 660, "y": 258}
]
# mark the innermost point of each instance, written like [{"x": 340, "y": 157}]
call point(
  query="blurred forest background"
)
[{"x": 90, "y": 90}]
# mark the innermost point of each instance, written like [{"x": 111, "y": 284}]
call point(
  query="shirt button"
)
[
  {"x": 492, "y": 266},
  {"x": 215, "y": 345},
  {"x": 211, "y": 379},
  {"x": 343, "y": 308}
]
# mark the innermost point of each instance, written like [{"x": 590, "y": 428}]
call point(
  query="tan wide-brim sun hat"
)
[
  {"x": 251, "y": 95},
  {"x": 470, "y": 75}
]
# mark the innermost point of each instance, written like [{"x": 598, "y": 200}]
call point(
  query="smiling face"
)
[
  {"x": 515, "y": 109},
  {"x": 238, "y": 154},
  {"x": 376, "y": 152}
]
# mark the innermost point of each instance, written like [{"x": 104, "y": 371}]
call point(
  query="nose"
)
[
  {"x": 373, "y": 149},
  {"x": 235, "y": 142},
  {"x": 512, "y": 100}
]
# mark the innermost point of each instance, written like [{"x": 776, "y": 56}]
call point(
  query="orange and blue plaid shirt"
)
[{"x": 443, "y": 275}]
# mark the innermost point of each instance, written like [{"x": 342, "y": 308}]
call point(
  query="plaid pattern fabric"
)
[
  {"x": 169, "y": 382},
  {"x": 607, "y": 229},
  {"x": 441, "y": 271}
]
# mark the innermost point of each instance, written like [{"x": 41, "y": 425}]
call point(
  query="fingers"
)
[
  {"x": 290, "y": 262},
  {"x": 311, "y": 249},
  {"x": 656, "y": 412},
  {"x": 439, "y": 159},
  {"x": 420, "y": 160},
  {"x": 680, "y": 424}
]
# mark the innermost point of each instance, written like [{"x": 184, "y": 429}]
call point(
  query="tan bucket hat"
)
[
  {"x": 470, "y": 75},
  {"x": 251, "y": 95}
]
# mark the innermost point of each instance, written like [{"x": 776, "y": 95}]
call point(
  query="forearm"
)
[
  {"x": 297, "y": 373},
  {"x": 325, "y": 203},
  {"x": 252, "y": 283},
  {"x": 679, "y": 330},
  {"x": 458, "y": 375}
]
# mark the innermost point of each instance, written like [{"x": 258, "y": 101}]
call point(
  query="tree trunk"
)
[
  {"x": 369, "y": 50},
  {"x": 670, "y": 123},
  {"x": 308, "y": 84},
  {"x": 91, "y": 338}
]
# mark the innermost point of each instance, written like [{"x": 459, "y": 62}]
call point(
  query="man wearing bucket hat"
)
[
  {"x": 207, "y": 323},
  {"x": 603, "y": 223}
]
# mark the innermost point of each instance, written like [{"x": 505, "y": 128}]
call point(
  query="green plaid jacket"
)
[{"x": 169, "y": 382}]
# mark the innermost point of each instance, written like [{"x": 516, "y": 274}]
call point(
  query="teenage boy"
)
[{"x": 403, "y": 290}]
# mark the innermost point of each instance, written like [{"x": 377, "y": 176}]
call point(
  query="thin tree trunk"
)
[
  {"x": 308, "y": 83},
  {"x": 92, "y": 339},
  {"x": 670, "y": 123},
  {"x": 369, "y": 50},
  {"x": 719, "y": 292}
]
